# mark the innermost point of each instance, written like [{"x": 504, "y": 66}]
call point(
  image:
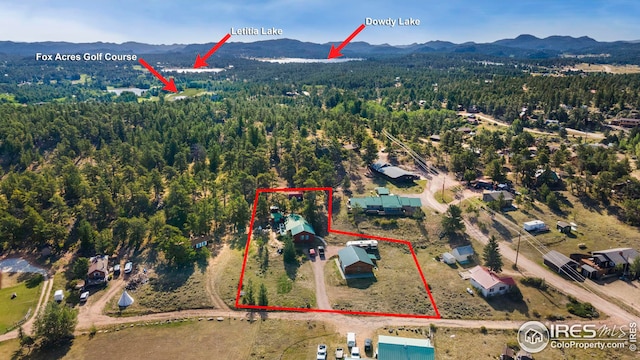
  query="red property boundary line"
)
[{"x": 330, "y": 230}]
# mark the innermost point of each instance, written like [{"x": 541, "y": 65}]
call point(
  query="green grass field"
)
[
  {"x": 12, "y": 310},
  {"x": 287, "y": 286},
  {"x": 396, "y": 287}
]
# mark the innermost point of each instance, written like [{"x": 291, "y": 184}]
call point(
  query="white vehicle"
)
[
  {"x": 128, "y": 267},
  {"x": 58, "y": 295},
  {"x": 84, "y": 296},
  {"x": 355, "y": 353},
  {"x": 340, "y": 353},
  {"x": 322, "y": 352},
  {"x": 351, "y": 339}
]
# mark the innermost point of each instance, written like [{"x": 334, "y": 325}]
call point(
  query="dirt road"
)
[
  {"x": 214, "y": 265},
  {"x": 93, "y": 309},
  {"x": 527, "y": 266},
  {"x": 595, "y": 136}
]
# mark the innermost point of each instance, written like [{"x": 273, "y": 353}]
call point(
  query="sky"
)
[{"x": 320, "y": 21}]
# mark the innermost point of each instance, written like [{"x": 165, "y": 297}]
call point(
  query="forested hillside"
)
[{"x": 83, "y": 167}]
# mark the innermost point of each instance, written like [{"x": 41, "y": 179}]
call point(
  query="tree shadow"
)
[
  {"x": 31, "y": 280},
  {"x": 362, "y": 283},
  {"x": 48, "y": 352},
  {"x": 590, "y": 204},
  {"x": 563, "y": 200},
  {"x": 292, "y": 269},
  {"x": 171, "y": 278},
  {"x": 238, "y": 241},
  {"x": 504, "y": 304},
  {"x": 336, "y": 205}
]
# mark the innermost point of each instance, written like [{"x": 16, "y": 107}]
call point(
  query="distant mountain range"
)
[{"x": 523, "y": 46}]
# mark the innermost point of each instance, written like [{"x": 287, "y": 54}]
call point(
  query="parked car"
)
[
  {"x": 355, "y": 352},
  {"x": 368, "y": 345},
  {"x": 321, "y": 250},
  {"x": 128, "y": 267},
  {"x": 322, "y": 352},
  {"x": 312, "y": 252},
  {"x": 351, "y": 339},
  {"x": 339, "y": 353},
  {"x": 116, "y": 270},
  {"x": 84, "y": 296}
]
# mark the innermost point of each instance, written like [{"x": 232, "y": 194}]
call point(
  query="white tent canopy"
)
[{"x": 125, "y": 299}]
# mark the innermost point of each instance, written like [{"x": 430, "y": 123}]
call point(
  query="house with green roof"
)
[
  {"x": 385, "y": 205},
  {"x": 298, "y": 227},
  {"x": 401, "y": 348},
  {"x": 355, "y": 260}
]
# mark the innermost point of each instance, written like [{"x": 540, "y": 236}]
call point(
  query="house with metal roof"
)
[
  {"x": 489, "y": 283},
  {"x": 298, "y": 227},
  {"x": 393, "y": 172},
  {"x": 385, "y": 205},
  {"x": 355, "y": 260},
  {"x": 402, "y": 348},
  {"x": 490, "y": 196},
  {"x": 463, "y": 254}
]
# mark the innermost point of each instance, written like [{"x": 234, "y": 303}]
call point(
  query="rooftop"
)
[
  {"x": 619, "y": 255},
  {"x": 393, "y": 172},
  {"x": 297, "y": 224},
  {"x": 352, "y": 254},
  {"x": 487, "y": 278},
  {"x": 401, "y": 348},
  {"x": 495, "y": 195}
]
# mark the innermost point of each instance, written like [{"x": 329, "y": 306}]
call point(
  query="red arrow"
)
[
  {"x": 201, "y": 61},
  {"x": 335, "y": 52},
  {"x": 169, "y": 85}
]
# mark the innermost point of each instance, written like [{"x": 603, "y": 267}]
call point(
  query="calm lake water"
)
[
  {"x": 305, "y": 61},
  {"x": 119, "y": 91}
]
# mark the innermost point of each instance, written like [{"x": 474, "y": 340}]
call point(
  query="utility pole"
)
[{"x": 517, "y": 250}]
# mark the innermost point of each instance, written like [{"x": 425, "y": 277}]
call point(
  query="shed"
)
[
  {"x": 381, "y": 191},
  {"x": 355, "y": 260},
  {"x": 589, "y": 272},
  {"x": 463, "y": 253},
  {"x": 559, "y": 262},
  {"x": 563, "y": 227},
  {"x": 448, "y": 258}
]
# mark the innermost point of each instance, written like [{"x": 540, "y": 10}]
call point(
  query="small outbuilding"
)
[
  {"x": 563, "y": 227},
  {"x": 355, "y": 260},
  {"x": 447, "y": 258},
  {"x": 463, "y": 254}
]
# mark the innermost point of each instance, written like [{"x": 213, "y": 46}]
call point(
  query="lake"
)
[
  {"x": 305, "y": 61},
  {"x": 190, "y": 70},
  {"x": 119, "y": 91}
]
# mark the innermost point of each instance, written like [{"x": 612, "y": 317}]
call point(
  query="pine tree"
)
[
  {"x": 491, "y": 256},
  {"x": 262, "y": 296},
  {"x": 249, "y": 298}
]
